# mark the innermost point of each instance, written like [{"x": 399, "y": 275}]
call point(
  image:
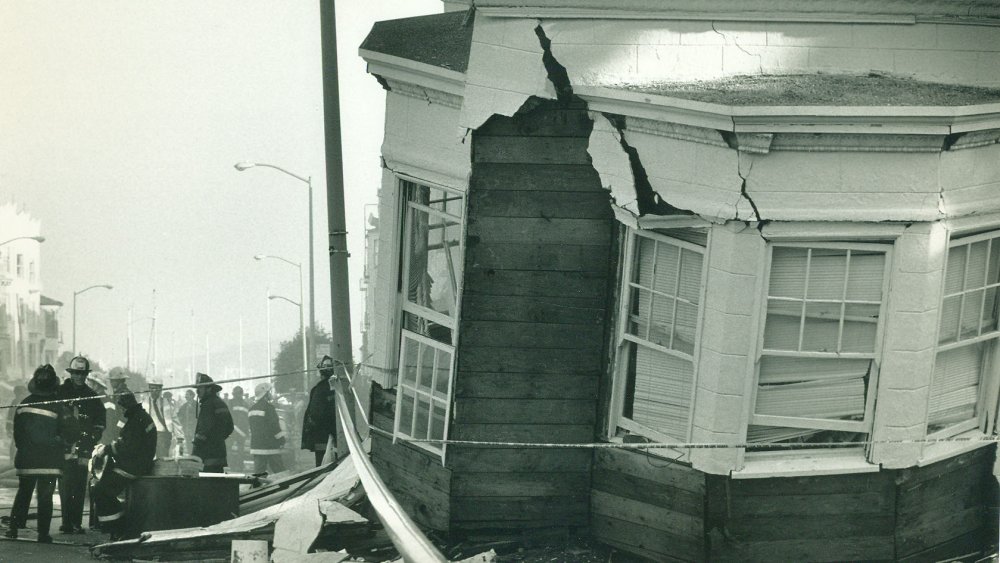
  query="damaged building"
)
[{"x": 764, "y": 236}]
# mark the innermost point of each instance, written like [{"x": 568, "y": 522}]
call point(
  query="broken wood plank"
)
[
  {"x": 412, "y": 459},
  {"x": 649, "y": 492},
  {"x": 525, "y": 411},
  {"x": 530, "y": 150},
  {"x": 651, "y": 468},
  {"x": 530, "y": 177},
  {"x": 484, "y": 385},
  {"x": 658, "y": 518},
  {"x": 657, "y": 545}
]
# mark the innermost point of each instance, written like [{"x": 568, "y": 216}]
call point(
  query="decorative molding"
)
[
  {"x": 676, "y": 131},
  {"x": 399, "y": 69},
  {"x": 975, "y": 139},
  {"x": 756, "y": 143},
  {"x": 856, "y": 142},
  {"x": 424, "y": 93}
]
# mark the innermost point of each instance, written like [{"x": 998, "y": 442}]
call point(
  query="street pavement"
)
[{"x": 68, "y": 547}]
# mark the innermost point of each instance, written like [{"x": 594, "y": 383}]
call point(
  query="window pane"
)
[
  {"x": 437, "y": 422},
  {"x": 687, "y": 324},
  {"x": 662, "y": 392},
  {"x": 758, "y": 434},
  {"x": 428, "y": 328},
  {"x": 662, "y": 322},
  {"x": 955, "y": 389},
  {"x": 426, "y": 367},
  {"x": 949, "y": 319},
  {"x": 422, "y": 423},
  {"x": 408, "y": 369},
  {"x": 781, "y": 331},
  {"x": 976, "y": 276},
  {"x": 971, "y": 311},
  {"x": 860, "y": 328},
  {"x": 864, "y": 283},
  {"x": 443, "y": 373},
  {"x": 779, "y": 369},
  {"x": 836, "y": 398},
  {"x": 666, "y": 268},
  {"x": 788, "y": 272},
  {"x": 827, "y": 271},
  {"x": 955, "y": 271},
  {"x": 406, "y": 412},
  {"x": 822, "y": 327},
  {"x": 639, "y": 325},
  {"x": 644, "y": 261}
]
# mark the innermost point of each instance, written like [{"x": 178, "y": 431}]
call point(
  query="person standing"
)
[
  {"x": 41, "y": 432},
  {"x": 214, "y": 425},
  {"x": 118, "y": 379},
  {"x": 237, "y": 443},
  {"x": 162, "y": 414},
  {"x": 319, "y": 423},
  {"x": 267, "y": 439},
  {"x": 129, "y": 457},
  {"x": 20, "y": 392},
  {"x": 89, "y": 412},
  {"x": 187, "y": 419}
]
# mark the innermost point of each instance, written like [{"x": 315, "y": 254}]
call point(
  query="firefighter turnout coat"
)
[
  {"x": 90, "y": 418},
  {"x": 266, "y": 435},
  {"x": 215, "y": 424},
  {"x": 41, "y": 434},
  {"x": 320, "y": 419},
  {"x": 135, "y": 447}
]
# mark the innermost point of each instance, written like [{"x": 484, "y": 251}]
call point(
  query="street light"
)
[
  {"x": 36, "y": 239},
  {"x": 305, "y": 366},
  {"x": 241, "y": 166},
  {"x": 260, "y": 257},
  {"x": 75, "y": 293}
]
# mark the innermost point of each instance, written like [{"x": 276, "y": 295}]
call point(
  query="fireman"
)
[
  {"x": 162, "y": 413},
  {"x": 118, "y": 379},
  {"x": 129, "y": 457},
  {"x": 237, "y": 442},
  {"x": 214, "y": 425},
  {"x": 266, "y": 436},
  {"x": 319, "y": 423},
  {"x": 41, "y": 433},
  {"x": 89, "y": 412}
]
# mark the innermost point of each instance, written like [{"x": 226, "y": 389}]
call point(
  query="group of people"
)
[{"x": 62, "y": 431}]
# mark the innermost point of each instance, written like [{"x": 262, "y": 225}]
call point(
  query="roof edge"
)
[{"x": 413, "y": 72}]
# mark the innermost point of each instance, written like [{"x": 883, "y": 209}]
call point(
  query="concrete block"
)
[
  {"x": 716, "y": 461},
  {"x": 809, "y": 34},
  {"x": 743, "y": 34},
  {"x": 906, "y": 371},
  {"x": 968, "y": 38},
  {"x": 731, "y": 293},
  {"x": 849, "y": 60},
  {"x": 518, "y": 33},
  {"x": 698, "y": 32},
  {"x": 893, "y": 455},
  {"x": 723, "y": 373},
  {"x": 611, "y": 32},
  {"x": 916, "y": 292},
  {"x": 912, "y": 332},
  {"x": 897, "y": 407},
  {"x": 719, "y": 413},
  {"x": 888, "y": 36},
  {"x": 681, "y": 62},
  {"x": 921, "y": 253},
  {"x": 741, "y": 253},
  {"x": 727, "y": 334},
  {"x": 937, "y": 66},
  {"x": 598, "y": 63}
]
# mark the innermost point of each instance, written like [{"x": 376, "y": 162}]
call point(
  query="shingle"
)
[{"x": 441, "y": 40}]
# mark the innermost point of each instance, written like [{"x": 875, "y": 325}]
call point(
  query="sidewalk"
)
[{"x": 70, "y": 547}]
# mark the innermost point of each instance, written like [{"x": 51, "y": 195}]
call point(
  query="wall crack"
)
[
  {"x": 760, "y": 60},
  {"x": 556, "y": 72},
  {"x": 646, "y": 197},
  {"x": 746, "y": 195}
]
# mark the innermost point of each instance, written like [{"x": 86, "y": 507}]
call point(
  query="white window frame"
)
[
  {"x": 989, "y": 376},
  {"x": 623, "y": 340},
  {"x": 865, "y": 425},
  {"x": 405, "y": 306}
]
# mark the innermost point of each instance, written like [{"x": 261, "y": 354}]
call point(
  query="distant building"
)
[
  {"x": 765, "y": 234},
  {"x": 29, "y": 325}
]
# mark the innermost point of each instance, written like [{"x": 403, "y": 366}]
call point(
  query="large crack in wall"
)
[{"x": 557, "y": 73}]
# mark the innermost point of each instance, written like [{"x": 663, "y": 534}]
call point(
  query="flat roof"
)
[
  {"x": 441, "y": 40},
  {"x": 819, "y": 90}
]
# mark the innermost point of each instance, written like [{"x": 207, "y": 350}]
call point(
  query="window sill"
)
[
  {"x": 972, "y": 440},
  {"x": 808, "y": 465}
]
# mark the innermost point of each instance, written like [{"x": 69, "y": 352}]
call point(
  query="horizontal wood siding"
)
[
  {"x": 416, "y": 477},
  {"x": 823, "y": 518},
  {"x": 533, "y": 323},
  {"x": 947, "y": 508},
  {"x": 648, "y": 506}
]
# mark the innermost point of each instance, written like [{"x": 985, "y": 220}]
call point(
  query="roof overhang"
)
[{"x": 413, "y": 72}]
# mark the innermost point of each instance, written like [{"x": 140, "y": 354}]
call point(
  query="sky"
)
[{"x": 120, "y": 124}]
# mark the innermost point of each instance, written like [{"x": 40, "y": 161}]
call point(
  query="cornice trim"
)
[{"x": 412, "y": 72}]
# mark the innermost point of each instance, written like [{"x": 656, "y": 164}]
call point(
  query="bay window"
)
[
  {"x": 820, "y": 348},
  {"x": 963, "y": 384},
  {"x": 658, "y": 328},
  {"x": 430, "y": 273}
]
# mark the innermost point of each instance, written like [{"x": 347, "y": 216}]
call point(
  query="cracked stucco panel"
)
[
  {"x": 612, "y": 163},
  {"x": 700, "y": 178},
  {"x": 420, "y": 141},
  {"x": 505, "y": 70}
]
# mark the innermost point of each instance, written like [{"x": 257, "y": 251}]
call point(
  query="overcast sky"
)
[{"x": 119, "y": 127}]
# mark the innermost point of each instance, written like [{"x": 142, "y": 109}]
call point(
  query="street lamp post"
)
[
  {"x": 306, "y": 336},
  {"x": 305, "y": 372},
  {"x": 75, "y": 293}
]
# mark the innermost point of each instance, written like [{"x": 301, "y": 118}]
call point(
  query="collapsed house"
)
[{"x": 769, "y": 227}]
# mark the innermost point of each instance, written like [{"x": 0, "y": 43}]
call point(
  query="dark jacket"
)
[
  {"x": 114, "y": 421},
  {"x": 241, "y": 424},
  {"x": 215, "y": 424},
  {"x": 135, "y": 447},
  {"x": 90, "y": 418},
  {"x": 41, "y": 434},
  {"x": 320, "y": 418},
  {"x": 266, "y": 435}
]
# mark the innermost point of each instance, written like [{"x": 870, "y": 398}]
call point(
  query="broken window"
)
[
  {"x": 967, "y": 337},
  {"x": 430, "y": 272},
  {"x": 819, "y": 354},
  {"x": 658, "y": 331}
]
